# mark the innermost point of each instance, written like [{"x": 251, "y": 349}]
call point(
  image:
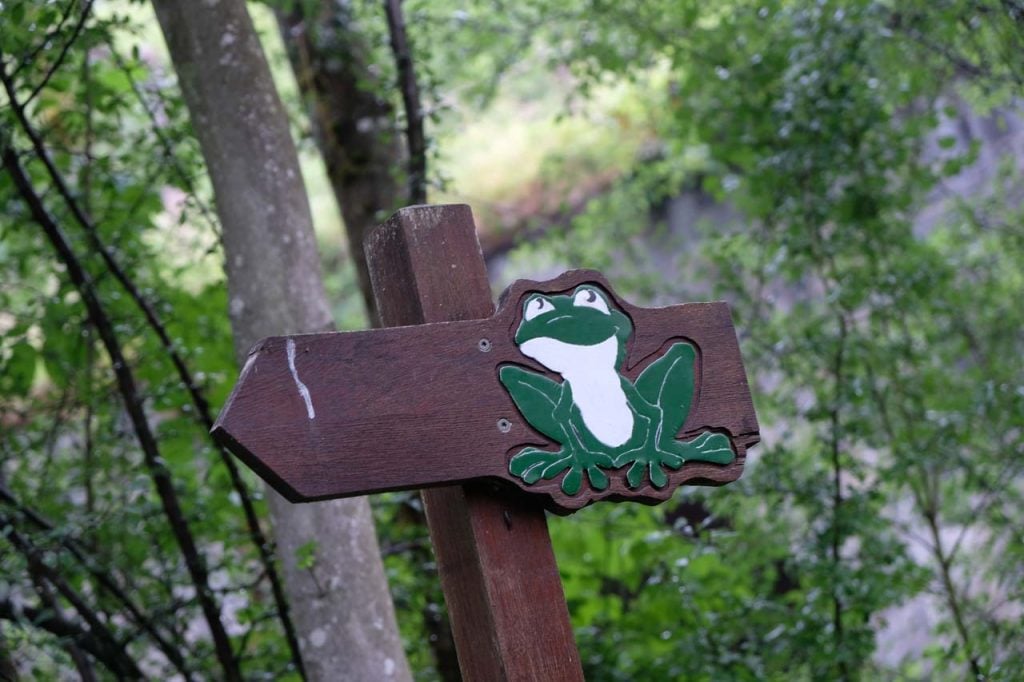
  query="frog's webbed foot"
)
[
  {"x": 707, "y": 447},
  {"x": 533, "y": 464},
  {"x": 652, "y": 463},
  {"x": 593, "y": 462},
  {"x": 574, "y": 479}
]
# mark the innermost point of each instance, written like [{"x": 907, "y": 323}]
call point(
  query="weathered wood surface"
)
[
  {"x": 329, "y": 415},
  {"x": 498, "y": 571}
]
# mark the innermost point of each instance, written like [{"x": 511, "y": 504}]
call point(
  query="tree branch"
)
[
  {"x": 75, "y": 32},
  {"x": 51, "y": 621},
  {"x": 837, "y": 492},
  {"x": 929, "y": 510},
  {"x": 415, "y": 137},
  {"x": 122, "y": 662},
  {"x": 198, "y": 399},
  {"x": 134, "y": 407},
  {"x": 168, "y": 148},
  {"x": 103, "y": 579},
  {"x": 927, "y": 505},
  {"x": 50, "y": 35},
  {"x": 46, "y": 596}
]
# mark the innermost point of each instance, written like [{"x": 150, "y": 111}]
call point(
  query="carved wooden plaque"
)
[{"x": 567, "y": 392}]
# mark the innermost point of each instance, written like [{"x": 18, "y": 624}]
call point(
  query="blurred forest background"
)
[{"x": 845, "y": 173}]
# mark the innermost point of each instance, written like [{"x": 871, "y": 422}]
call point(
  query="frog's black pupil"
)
[{"x": 592, "y": 297}]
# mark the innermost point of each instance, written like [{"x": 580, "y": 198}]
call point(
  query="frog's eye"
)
[
  {"x": 589, "y": 298},
  {"x": 537, "y": 305}
]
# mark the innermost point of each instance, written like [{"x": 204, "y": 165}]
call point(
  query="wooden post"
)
[{"x": 498, "y": 571}]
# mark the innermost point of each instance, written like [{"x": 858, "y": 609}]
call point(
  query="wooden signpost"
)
[{"x": 564, "y": 396}]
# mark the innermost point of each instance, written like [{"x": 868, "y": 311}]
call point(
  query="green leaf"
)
[
  {"x": 20, "y": 369},
  {"x": 305, "y": 555}
]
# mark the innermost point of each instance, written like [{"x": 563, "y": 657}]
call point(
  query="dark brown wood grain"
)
[
  {"x": 498, "y": 570},
  {"x": 430, "y": 389}
]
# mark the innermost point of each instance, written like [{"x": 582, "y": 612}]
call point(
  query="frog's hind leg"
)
[
  {"x": 668, "y": 383},
  {"x": 635, "y": 473},
  {"x": 709, "y": 446}
]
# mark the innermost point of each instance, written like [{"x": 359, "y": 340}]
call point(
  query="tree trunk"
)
[
  {"x": 341, "y": 605},
  {"x": 353, "y": 124},
  {"x": 355, "y": 130}
]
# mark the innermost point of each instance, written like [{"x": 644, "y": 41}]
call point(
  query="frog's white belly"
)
[{"x": 596, "y": 387}]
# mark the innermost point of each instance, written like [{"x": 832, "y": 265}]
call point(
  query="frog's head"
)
[{"x": 570, "y": 332}]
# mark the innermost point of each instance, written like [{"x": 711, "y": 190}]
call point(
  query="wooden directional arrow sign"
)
[{"x": 567, "y": 392}]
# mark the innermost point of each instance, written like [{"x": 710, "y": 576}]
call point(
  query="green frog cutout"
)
[{"x": 599, "y": 418}]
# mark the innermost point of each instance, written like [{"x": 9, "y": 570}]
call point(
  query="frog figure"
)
[{"x": 600, "y": 419}]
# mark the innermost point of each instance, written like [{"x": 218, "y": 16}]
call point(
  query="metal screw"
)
[
  {"x": 504, "y": 425},
  {"x": 484, "y": 345}
]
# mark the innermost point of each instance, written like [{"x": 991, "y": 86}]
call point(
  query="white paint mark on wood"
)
[{"x": 303, "y": 391}]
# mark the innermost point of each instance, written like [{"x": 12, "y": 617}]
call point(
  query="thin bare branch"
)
[
  {"x": 134, "y": 407},
  {"x": 835, "y": 420},
  {"x": 50, "y": 35},
  {"x": 122, "y": 662},
  {"x": 202, "y": 407},
  {"x": 103, "y": 579},
  {"x": 407, "y": 84},
  {"x": 168, "y": 148},
  {"x": 53, "y": 622},
  {"x": 59, "y": 61}
]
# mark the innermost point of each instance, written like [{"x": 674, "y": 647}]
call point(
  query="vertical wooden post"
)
[{"x": 498, "y": 571}]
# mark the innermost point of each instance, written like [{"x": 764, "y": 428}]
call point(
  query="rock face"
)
[{"x": 999, "y": 136}]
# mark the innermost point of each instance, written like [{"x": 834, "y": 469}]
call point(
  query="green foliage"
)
[
  {"x": 872, "y": 344},
  {"x": 882, "y": 348},
  {"x": 68, "y": 453},
  {"x": 305, "y": 555}
]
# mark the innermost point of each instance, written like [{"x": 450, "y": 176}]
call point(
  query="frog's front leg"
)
[
  {"x": 537, "y": 398},
  {"x": 547, "y": 407},
  {"x": 583, "y": 459},
  {"x": 668, "y": 385},
  {"x": 707, "y": 447},
  {"x": 660, "y": 450},
  {"x": 648, "y": 457},
  {"x": 534, "y": 464}
]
